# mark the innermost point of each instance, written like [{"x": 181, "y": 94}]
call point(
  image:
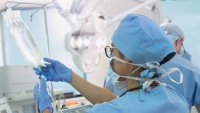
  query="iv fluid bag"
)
[{"x": 23, "y": 38}]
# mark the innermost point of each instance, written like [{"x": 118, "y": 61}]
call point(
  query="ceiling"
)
[
  {"x": 2, "y": 3},
  {"x": 111, "y": 10}
]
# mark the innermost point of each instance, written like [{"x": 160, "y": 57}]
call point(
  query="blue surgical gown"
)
[
  {"x": 190, "y": 87},
  {"x": 158, "y": 100}
]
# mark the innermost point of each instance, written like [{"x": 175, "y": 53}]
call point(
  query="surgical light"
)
[
  {"x": 88, "y": 42},
  {"x": 76, "y": 10}
]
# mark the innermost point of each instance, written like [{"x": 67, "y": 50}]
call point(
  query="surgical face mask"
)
[
  {"x": 147, "y": 76},
  {"x": 119, "y": 86},
  {"x": 117, "y": 76},
  {"x": 116, "y": 86}
]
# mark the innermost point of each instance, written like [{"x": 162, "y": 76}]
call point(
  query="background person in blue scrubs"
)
[{"x": 176, "y": 37}]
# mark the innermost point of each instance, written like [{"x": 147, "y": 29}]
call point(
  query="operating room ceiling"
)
[
  {"x": 2, "y": 3},
  {"x": 113, "y": 5}
]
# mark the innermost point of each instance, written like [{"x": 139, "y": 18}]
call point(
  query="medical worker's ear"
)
[{"x": 178, "y": 44}]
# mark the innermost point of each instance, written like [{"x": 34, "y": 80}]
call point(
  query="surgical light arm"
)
[{"x": 121, "y": 16}]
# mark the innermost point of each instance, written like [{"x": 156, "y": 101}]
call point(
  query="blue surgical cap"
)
[{"x": 141, "y": 40}]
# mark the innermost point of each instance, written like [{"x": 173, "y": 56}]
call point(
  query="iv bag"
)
[{"x": 23, "y": 38}]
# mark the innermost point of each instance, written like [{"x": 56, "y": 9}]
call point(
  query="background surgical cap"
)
[
  {"x": 173, "y": 31},
  {"x": 141, "y": 40}
]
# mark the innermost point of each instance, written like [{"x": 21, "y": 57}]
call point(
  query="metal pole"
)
[
  {"x": 2, "y": 41},
  {"x": 119, "y": 17},
  {"x": 48, "y": 45}
]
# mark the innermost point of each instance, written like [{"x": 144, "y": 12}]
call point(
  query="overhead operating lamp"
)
[
  {"x": 74, "y": 11},
  {"x": 87, "y": 43},
  {"x": 88, "y": 34}
]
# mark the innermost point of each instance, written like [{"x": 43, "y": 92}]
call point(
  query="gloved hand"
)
[
  {"x": 55, "y": 71},
  {"x": 41, "y": 97}
]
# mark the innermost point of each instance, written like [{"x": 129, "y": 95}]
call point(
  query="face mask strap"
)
[
  {"x": 172, "y": 70},
  {"x": 135, "y": 70},
  {"x": 148, "y": 82},
  {"x": 148, "y": 65},
  {"x": 125, "y": 62},
  {"x": 135, "y": 78},
  {"x": 152, "y": 66}
]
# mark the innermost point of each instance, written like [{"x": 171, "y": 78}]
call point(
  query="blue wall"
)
[{"x": 186, "y": 14}]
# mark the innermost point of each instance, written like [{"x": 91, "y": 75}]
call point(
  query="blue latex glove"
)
[
  {"x": 42, "y": 99},
  {"x": 55, "y": 71}
]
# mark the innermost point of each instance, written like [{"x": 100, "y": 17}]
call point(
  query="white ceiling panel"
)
[{"x": 2, "y": 3}]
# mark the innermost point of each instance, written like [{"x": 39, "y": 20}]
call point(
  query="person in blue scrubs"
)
[
  {"x": 190, "y": 87},
  {"x": 176, "y": 37},
  {"x": 139, "y": 48}
]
